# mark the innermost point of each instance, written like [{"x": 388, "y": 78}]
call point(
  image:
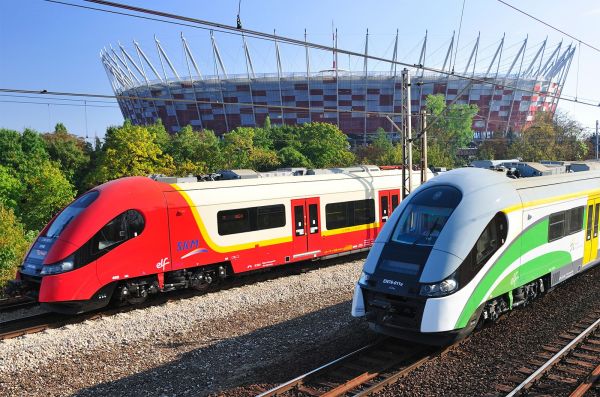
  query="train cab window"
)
[
  {"x": 70, "y": 213},
  {"x": 490, "y": 240},
  {"x": 426, "y": 215},
  {"x": 250, "y": 219},
  {"x": 125, "y": 226}
]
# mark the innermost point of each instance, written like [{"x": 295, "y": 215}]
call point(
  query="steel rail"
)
[
  {"x": 299, "y": 379},
  {"x": 391, "y": 369},
  {"x": 553, "y": 360}
]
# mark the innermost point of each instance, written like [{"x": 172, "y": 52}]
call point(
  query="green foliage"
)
[
  {"x": 13, "y": 244},
  {"x": 283, "y": 136},
  {"x": 69, "y": 151},
  {"x": 291, "y": 157},
  {"x": 11, "y": 188},
  {"x": 161, "y": 136},
  {"x": 195, "y": 152},
  {"x": 11, "y": 152},
  {"x": 131, "y": 150},
  {"x": 239, "y": 150},
  {"x": 48, "y": 191},
  {"x": 267, "y": 123},
  {"x": 324, "y": 145},
  {"x": 448, "y": 129},
  {"x": 381, "y": 151}
]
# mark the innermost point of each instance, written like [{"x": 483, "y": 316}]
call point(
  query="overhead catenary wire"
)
[
  {"x": 549, "y": 25},
  {"x": 43, "y": 93},
  {"x": 218, "y": 27}
]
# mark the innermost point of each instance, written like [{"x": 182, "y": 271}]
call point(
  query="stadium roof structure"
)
[{"x": 508, "y": 94}]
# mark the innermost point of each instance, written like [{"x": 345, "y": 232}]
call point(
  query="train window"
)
[
  {"x": 556, "y": 227},
  {"x": 313, "y": 218},
  {"x": 299, "y": 220},
  {"x": 70, "y": 213},
  {"x": 588, "y": 234},
  {"x": 490, "y": 240},
  {"x": 349, "y": 213},
  {"x": 384, "y": 209},
  {"x": 574, "y": 219},
  {"x": 394, "y": 201},
  {"x": 250, "y": 219},
  {"x": 426, "y": 214},
  {"x": 125, "y": 226},
  {"x": 596, "y": 220}
]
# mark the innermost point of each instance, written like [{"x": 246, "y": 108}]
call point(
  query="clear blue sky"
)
[{"x": 56, "y": 47}]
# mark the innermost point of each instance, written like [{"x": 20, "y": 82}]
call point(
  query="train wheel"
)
[{"x": 131, "y": 294}]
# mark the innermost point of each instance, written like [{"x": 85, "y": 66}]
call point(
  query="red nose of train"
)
[{"x": 62, "y": 252}]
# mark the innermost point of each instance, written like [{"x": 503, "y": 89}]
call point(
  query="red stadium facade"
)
[{"x": 355, "y": 101}]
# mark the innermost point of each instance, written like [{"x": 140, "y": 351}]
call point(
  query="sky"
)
[{"x": 54, "y": 47}]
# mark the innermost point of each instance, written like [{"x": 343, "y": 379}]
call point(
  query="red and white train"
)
[{"x": 136, "y": 236}]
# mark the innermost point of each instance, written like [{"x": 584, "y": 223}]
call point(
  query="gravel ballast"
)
[{"x": 200, "y": 345}]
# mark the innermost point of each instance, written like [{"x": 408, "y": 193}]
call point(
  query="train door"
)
[
  {"x": 590, "y": 252},
  {"x": 306, "y": 227},
  {"x": 388, "y": 201}
]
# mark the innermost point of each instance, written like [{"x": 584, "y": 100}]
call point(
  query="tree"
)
[
  {"x": 267, "y": 123},
  {"x": 13, "y": 244},
  {"x": 161, "y": 136},
  {"x": 11, "y": 152},
  {"x": 69, "y": 151},
  {"x": 324, "y": 145},
  {"x": 131, "y": 150},
  {"x": 283, "y": 136},
  {"x": 381, "y": 151},
  {"x": 195, "y": 152},
  {"x": 448, "y": 129},
  {"x": 291, "y": 157},
  {"x": 240, "y": 151},
  {"x": 11, "y": 188},
  {"x": 48, "y": 191}
]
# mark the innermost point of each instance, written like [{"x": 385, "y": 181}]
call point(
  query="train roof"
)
[
  {"x": 285, "y": 180},
  {"x": 549, "y": 180}
]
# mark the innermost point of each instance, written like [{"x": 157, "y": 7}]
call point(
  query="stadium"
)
[{"x": 508, "y": 89}]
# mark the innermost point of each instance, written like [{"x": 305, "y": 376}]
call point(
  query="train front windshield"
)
[
  {"x": 426, "y": 214},
  {"x": 70, "y": 213},
  {"x": 417, "y": 230}
]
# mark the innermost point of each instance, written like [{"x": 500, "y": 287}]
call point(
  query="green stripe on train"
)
[{"x": 531, "y": 238}]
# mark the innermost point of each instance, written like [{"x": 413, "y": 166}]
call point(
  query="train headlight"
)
[
  {"x": 63, "y": 266},
  {"x": 442, "y": 288}
]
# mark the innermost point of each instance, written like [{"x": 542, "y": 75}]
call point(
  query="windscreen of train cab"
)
[
  {"x": 417, "y": 230},
  {"x": 70, "y": 213}
]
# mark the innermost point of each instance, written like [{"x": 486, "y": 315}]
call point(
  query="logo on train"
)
[
  {"x": 163, "y": 263},
  {"x": 193, "y": 245},
  {"x": 393, "y": 282}
]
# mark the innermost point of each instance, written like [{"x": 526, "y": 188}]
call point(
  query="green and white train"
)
[{"x": 472, "y": 244}]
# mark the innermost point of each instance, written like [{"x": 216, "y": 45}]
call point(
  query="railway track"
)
[
  {"x": 30, "y": 324},
  {"x": 360, "y": 373},
  {"x": 569, "y": 366},
  {"x": 10, "y": 304}
]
